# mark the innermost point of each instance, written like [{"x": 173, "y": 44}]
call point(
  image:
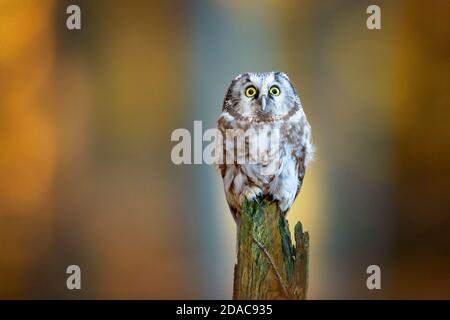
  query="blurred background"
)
[{"x": 86, "y": 117}]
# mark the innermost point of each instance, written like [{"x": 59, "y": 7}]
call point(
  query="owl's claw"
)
[
  {"x": 285, "y": 203},
  {"x": 250, "y": 193}
]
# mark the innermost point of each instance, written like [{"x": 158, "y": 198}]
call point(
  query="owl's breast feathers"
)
[{"x": 287, "y": 163}]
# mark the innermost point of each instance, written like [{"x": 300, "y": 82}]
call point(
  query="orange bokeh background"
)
[{"x": 86, "y": 117}]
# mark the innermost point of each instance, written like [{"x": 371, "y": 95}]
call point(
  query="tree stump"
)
[{"x": 268, "y": 265}]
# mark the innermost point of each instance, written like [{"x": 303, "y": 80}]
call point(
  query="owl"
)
[{"x": 272, "y": 164}]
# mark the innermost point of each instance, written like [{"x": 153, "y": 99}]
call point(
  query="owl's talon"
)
[
  {"x": 284, "y": 203},
  {"x": 252, "y": 193}
]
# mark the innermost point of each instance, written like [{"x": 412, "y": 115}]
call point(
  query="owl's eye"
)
[
  {"x": 250, "y": 91},
  {"x": 274, "y": 91}
]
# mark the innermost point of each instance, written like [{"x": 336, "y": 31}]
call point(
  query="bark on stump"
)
[{"x": 268, "y": 265}]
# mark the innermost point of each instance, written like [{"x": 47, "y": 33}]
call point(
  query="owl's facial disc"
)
[{"x": 261, "y": 95}]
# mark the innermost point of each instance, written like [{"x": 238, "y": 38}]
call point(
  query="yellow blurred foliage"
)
[{"x": 26, "y": 139}]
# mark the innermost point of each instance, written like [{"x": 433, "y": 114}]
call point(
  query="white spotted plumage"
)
[{"x": 280, "y": 168}]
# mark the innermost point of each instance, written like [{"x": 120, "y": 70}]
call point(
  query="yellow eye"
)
[
  {"x": 250, "y": 91},
  {"x": 274, "y": 91}
]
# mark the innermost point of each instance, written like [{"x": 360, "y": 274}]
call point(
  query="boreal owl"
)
[{"x": 270, "y": 160}]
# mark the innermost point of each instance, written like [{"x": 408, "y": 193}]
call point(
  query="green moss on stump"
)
[{"x": 268, "y": 265}]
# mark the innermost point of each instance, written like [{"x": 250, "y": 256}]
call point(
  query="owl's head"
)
[{"x": 261, "y": 95}]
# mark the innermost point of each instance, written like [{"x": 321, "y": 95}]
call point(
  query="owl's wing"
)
[
  {"x": 300, "y": 174},
  {"x": 224, "y": 122},
  {"x": 304, "y": 149}
]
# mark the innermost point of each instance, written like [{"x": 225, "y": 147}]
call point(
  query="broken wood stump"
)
[{"x": 268, "y": 265}]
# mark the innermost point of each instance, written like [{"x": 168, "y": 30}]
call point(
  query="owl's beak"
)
[{"x": 263, "y": 102}]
